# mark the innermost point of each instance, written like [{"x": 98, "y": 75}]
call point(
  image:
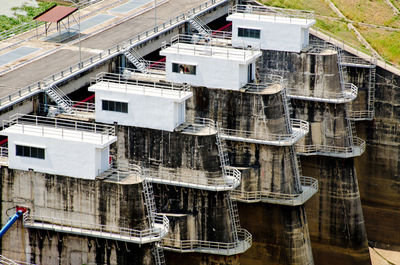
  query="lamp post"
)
[{"x": 155, "y": 13}]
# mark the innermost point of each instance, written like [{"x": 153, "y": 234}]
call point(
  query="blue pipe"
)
[{"x": 10, "y": 223}]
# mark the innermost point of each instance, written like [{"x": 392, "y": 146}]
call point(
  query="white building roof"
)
[
  {"x": 101, "y": 140},
  {"x": 243, "y": 56},
  {"x": 303, "y": 22},
  {"x": 145, "y": 89}
]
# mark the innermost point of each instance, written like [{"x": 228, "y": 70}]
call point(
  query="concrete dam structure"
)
[{"x": 258, "y": 143}]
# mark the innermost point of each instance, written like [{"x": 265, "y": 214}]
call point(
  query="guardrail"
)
[
  {"x": 120, "y": 171},
  {"x": 139, "y": 236},
  {"x": 3, "y": 151},
  {"x": 271, "y": 11},
  {"x": 197, "y": 125},
  {"x": 94, "y": 131},
  {"x": 120, "y": 79},
  {"x": 348, "y": 94},
  {"x": 229, "y": 181},
  {"x": 200, "y": 45},
  {"x": 300, "y": 129},
  {"x": 105, "y": 55},
  {"x": 25, "y": 27},
  {"x": 351, "y": 60},
  {"x": 309, "y": 187},
  {"x": 220, "y": 248},
  {"x": 334, "y": 151}
]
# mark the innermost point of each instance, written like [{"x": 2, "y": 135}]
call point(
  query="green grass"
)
[
  {"x": 319, "y": 6},
  {"x": 386, "y": 43},
  {"x": 10, "y": 22}
]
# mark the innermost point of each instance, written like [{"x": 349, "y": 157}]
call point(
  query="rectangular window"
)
[
  {"x": 29, "y": 151},
  {"x": 184, "y": 69},
  {"x": 249, "y": 33},
  {"x": 115, "y": 106}
]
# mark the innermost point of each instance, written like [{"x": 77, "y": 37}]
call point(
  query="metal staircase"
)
[
  {"x": 201, "y": 27},
  {"x": 137, "y": 60},
  {"x": 62, "y": 100},
  {"x": 234, "y": 216}
]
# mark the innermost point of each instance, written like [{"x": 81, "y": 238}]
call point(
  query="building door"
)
[{"x": 250, "y": 73}]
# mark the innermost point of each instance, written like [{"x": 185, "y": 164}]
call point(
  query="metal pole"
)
[
  {"x": 79, "y": 26},
  {"x": 155, "y": 13}
]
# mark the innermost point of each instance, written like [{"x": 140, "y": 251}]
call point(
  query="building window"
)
[
  {"x": 29, "y": 151},
  {"x": 249, "y": 33},
  {"x": 115, "y": 106},
  {"x": 184, "y": 69}
]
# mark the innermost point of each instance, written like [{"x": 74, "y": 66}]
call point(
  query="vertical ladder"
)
[
  {"x": 371, "y": 92},
  {"x": 234, "y": 216},
  {"x": 222, "y": 153},
  {"x": 62, "y": 100},
  {"x": 149, "y": 201},
  {"x": 201, "y": 27},
  {"x": 150, "y": 204},
  {"x": 350, "y": 123},
  {"x": 137, "y": 60},
  {"x": 158, "y": 254},
  {"x": 287, "y": 109}
]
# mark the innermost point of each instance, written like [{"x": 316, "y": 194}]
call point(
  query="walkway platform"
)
[
  {"x": 196, "y": 181},
  {"x": 144, "y": 236},
  {"x": 197, "y": 126},
  {"x": 210, "y": 247},
  {"x": 309, "y": 186},
  {"x": 299, "y": 127},
  {"x": 345, "y": 96},
  {"x": 333, "y": 151}
]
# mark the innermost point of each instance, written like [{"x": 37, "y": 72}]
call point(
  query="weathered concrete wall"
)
[
  {"x": 378, "y": 169},
  {"x": 263, "y": 167},
  {"x": 194, "y": 214},
  {"x": 337, "y": 229},
  {"x": 88, "y": 201}
]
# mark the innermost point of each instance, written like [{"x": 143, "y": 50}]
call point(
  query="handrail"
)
[
  {"x": 222, "y": 248},
  {"x": 119, "y": 171},
  {"x": 229, "y": 181},
  {"x": 348, "y": 94},
  {"x": 3, "y": 151},
  {"x": 212, "y": 46},
  {"x": 356, "y": 60},
  {"x": 271, "y": 11},
  {"x": 104, "y": 55},
  {"x": 37, "y": 124},
  {"x": 120, "y": 79},
  {"x": 309, "y": 188},
  {"x": 300, "y": 127},
  {"x": 25, "y": 27},
  {"x": 195, "y": 125},
  {"x": 147, "y": 235},
  {"x": 341, "y": 151}
]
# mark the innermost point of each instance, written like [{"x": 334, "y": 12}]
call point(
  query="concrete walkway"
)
[{"x": 54, "y": 57}]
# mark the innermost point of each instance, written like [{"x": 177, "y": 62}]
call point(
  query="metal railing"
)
[
  {"x": 276, "y": 12},
  {"x": 299, "y": 127},
  {"x": 212, "y": 47},
  {"x": 309, "y": 188},
  {"x": 357, "y": 61},
  {"x": 25, "y": 27},
  {"x": 348, "y": 94},
  {"x": 138, "y": 236},
  {"x": 197, "y": 126},
  {"x": 357, "y": 149},
  {"x": 104, "y": 55},
  {"x": 264, "y": 82},
  {"x": 119, "y": 172},
  {"x": 196, "y": 180},
  {"x": 38, "y": 124},
  {"x": 161, "y": 88},
  {"x": 7, "y": 261},
  {"x": 3, "y": 151},
  {"x": 220, "y": 248}
]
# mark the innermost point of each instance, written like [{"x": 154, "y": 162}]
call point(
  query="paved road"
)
[{"x": 65, "y": 57}]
